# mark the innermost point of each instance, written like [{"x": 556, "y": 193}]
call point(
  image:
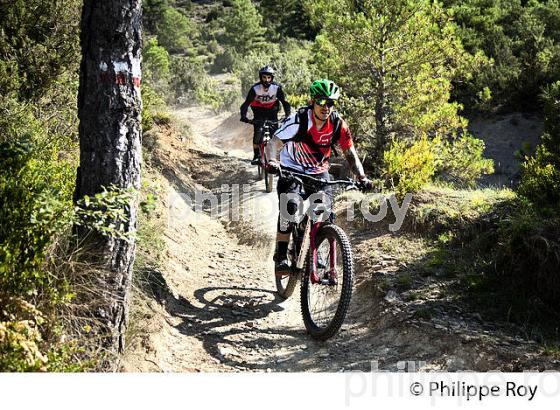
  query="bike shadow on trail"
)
[{"x": 227, "y": 320}]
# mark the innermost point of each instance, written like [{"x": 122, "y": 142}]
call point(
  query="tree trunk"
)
[
  {"x": 380, "y": 109},
  {"x": 380, "y": 128},
  {"x": 109, "y": 109}
]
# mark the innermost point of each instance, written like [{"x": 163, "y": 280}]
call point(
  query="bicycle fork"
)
[
  {"x": 263, "y": 154},
  {"x": 309, "y": 236}
]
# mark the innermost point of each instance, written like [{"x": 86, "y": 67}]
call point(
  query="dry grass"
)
[{"x": 82, "y": 313}]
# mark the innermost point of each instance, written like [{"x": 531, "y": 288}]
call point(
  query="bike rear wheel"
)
[
  {"x": 324, "y": 304},
  {"x": 286, "y": 284},
  {"x": 268, "y": 181}
]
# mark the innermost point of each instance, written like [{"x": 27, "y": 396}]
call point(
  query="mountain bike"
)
[
  {"x": 266, "y": 130},
  {"x": 319, "y": 253}
]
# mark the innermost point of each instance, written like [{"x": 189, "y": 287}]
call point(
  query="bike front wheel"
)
[{"x": 325, "y": 299}]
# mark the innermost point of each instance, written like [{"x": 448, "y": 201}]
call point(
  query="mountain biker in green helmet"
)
[{"x": 309, "y": 137}]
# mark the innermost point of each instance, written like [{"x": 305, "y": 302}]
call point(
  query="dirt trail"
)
[{"x": 214, "y": 307}]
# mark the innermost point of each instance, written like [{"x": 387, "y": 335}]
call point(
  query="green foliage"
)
[
  {"x": 409, "y": 166},
  {"x": 292, "y": 62},
  {"x": 225, "y": 61},
  {"x": 155, "y": 63},
  {"x": 288, "y": 18},
  {"x": 36, "y": 184},
  {"x": 39, "y": 59},
  {"x": 176, "y": 31},
  {"x": 219, "y": 99},
  {"x": 395, "y": 60},
  {"x": 35, "y": 206},
  {"x": 106, "y": 212},
  {"x": 36, "y": 212},
  {"x": 190, "y": 84},
  {"x": 243, "y": 27},
  {"x": 297, "y": 100},
  {"x": 157, "y": 77},
  {"x": 188, "y": 75},
  {"x": 541, "y": 180},
  {"x": 162, "y": 118},
  {"x": 551, "y": 136},
  {"x": 541, "y": 173},
  {"x": 38, "y": 41},
  {"x": 504, "y": 251},
  {"x": 208, "y": 94},
  {"x": 521, "y": 38},
  {"x": 526, "y": 257},
  {"x": 151, "y": 227},
  {"x": 461, "y": 162},
  {"x": 20, "y": 338},
  {"x": 152, "y": 14},
  {"x": 448, "y": 213},
  {"x": 23, "y": 347},
  {"x": 37, "y": 176},
  {"x": 151, "y": 103}
]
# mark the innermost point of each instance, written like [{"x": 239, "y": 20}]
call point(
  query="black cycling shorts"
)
[
  {"x": 257, "y": 131},
  {"x": 285, "y": 185}
]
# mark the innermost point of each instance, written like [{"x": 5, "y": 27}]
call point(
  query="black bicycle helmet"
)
[{"x": 266, "y": 70}]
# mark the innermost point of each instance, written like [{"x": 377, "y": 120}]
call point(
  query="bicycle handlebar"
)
[
  {"x": 263, "y": 122},
  {"x": 298, "y": 177}
]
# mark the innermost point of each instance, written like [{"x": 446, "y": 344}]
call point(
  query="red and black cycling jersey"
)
[{"x": 265, "y": 102}]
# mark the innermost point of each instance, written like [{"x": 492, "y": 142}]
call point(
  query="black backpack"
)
[{"x": 303, "y": 136}]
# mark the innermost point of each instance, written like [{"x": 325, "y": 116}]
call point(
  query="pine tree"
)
[
  {"x": 395, "y": 59},
  {"x": 109, "y": 109},
  {"x": 37, "y": 43},
  {"x": 521, "y": 38},
  {"x": 243, "y": 27},
  {"x": 287, "y": 18},
  {"x": 175, "y": 31}
]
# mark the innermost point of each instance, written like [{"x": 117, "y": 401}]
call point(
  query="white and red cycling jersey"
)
[
  {"x": 265, "y": 102},
  {"x": 264, "y": 97},
  {"x": 310, "y": 153}
]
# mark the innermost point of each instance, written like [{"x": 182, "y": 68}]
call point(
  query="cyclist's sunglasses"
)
[{"x": 329, "y": 103}]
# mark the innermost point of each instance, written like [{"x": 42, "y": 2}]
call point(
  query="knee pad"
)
[
  {"x": 283, "y": 224},
  {"x": 292, "y": 207}
]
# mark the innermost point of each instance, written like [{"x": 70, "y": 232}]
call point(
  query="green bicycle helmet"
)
[{"x": 324, "y": 89}]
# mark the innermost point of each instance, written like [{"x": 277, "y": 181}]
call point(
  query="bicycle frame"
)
[
  {"x": 262, "y": 149},
  {"x": 309, "y": 242},
  {"x": 266, "y": 136}
]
